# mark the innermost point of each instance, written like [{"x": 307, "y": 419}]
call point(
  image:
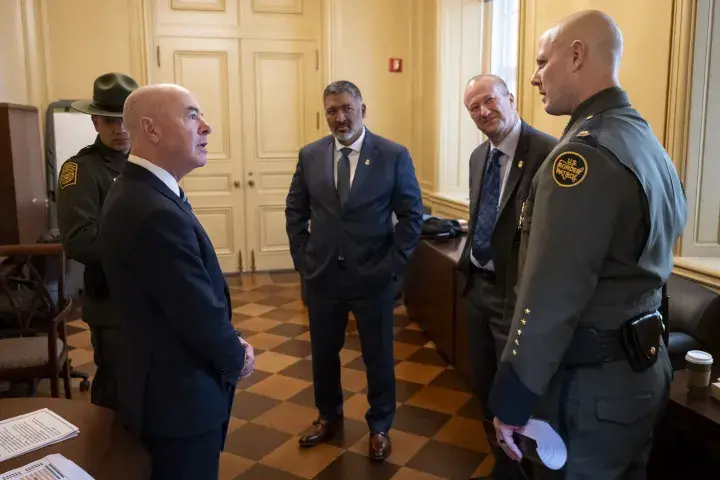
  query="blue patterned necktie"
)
[
  {"x": 487, "y": 210},
  {"x": 343, "y": 175}
]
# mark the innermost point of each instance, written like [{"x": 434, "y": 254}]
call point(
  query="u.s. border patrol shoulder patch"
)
[
  {"x": 569, "y": 169},
  {"x": 68, "y": 174}
]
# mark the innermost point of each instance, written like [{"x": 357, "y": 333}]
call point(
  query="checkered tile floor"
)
[{"x": 437, "y": 432}]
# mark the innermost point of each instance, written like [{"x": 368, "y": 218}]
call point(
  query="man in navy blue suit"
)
[
  {"x": 182, "y": 355},
  {"x": 347, "y": 187}
]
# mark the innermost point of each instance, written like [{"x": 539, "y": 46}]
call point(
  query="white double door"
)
[{"x": 263, "y": 100}]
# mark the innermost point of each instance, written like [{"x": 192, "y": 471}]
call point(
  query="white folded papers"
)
[
  {"x": 33, "y": 431},
  {"x": 550, "y": 447},
  {"x": 52, "y": 467}
]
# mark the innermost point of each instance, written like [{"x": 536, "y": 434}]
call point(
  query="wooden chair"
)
[{"x": 33, "y": 340}]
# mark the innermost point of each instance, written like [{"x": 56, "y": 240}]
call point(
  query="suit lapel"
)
[
  {"x": 366, "y": 161},
  {"x": 516, "y": 168},
  {"x": 143, "y": 174},
  {"x": 478, "y": 176}
]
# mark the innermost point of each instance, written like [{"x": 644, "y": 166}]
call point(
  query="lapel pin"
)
[
  {"x": 584, "y": 133},
  {"x": 367, "y": 162},
  {"x": 520, "y": 164}
]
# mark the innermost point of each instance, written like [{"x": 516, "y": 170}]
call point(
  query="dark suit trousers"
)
[
  {"x": 106, "y": 354},
  {"x": 373, "y": 313},
  {"x": 488, "y": 333},
  {"x": 186, "y": 458}
]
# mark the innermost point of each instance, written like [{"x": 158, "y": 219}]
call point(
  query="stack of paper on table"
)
[
  {"x": 33, "y": 431},
  {"x": 715, "y": 390},
  {"x": 52, "y": 467}
]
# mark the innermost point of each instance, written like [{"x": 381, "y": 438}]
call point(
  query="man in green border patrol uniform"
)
[
  {"x": 585, "y": 349},
  {"x": 85, "y": 180}
]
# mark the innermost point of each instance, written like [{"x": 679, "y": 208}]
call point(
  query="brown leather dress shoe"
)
[
  {"x": 320, "y": 431},
  {"x": 380, "y": 446}
]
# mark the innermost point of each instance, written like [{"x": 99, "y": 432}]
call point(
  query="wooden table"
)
[
  {"x": 687, "y": 439},
  {"x": 432, "y": 297},
  {"x": 103, "y": 448}
]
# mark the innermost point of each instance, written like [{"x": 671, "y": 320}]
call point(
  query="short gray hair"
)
[
  {"x": 497, "y": 80},
  {"x": 343, "y": 86}
]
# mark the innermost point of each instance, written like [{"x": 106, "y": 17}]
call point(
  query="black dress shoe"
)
[
  {"x": 320, "y": 431},
  {"x": 380, "y": 446}
]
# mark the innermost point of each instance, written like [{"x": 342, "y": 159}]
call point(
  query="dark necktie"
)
[
  {"x": 184, "y": 199},
  {"x": 487, "y": 210},
  {"x": 343, "y": 175}
]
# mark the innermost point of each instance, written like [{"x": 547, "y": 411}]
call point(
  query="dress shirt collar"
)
[
  {"x": 509, "y": 143},
  {"x": 159, "y": 172}
]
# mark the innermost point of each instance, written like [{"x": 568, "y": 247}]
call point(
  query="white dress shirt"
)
[
  {"x": 354, "y": 156},
  {"x": 507, "y": 147},
  {"x": 159, "y": 172}
]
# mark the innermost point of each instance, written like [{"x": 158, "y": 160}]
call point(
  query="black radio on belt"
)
[
  {"x": 637, "y": 342},
  {"x": 640, "y": 339}
]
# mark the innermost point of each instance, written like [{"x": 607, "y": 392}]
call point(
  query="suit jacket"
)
[
  {"x": 182, "y": 356},
  {"x": 362, "y": 231},
  {"x": 532, "y": 149}
]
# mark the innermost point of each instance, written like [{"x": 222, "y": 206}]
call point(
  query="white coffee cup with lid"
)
[{"x": 699, "y": 367}]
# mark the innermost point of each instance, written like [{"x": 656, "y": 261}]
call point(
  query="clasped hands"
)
[
  {"x": 504, "y": 434},
  {"x": 249, "y": 365}
]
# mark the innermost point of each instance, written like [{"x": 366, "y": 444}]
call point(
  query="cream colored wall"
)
[
  {"x": 80, "y": 49},
  {"x": 365, "y": 35},
  {"x": 424, "y": 101},
  {"x": 13, "y": 71},
  {"x": 22, "y": 59},
  {"x": 52, "y": 52}
]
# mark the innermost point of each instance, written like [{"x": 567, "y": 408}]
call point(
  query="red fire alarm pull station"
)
[{"x": 395, "y": 65}]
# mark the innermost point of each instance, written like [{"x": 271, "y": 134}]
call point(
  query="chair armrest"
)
[
  {"x": 62, "y": 316},
  {"x": 39, "y": 249}
]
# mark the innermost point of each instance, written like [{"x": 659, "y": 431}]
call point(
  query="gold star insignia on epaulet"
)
[
  {"x": 527, "y": 310},
  {"x": 523, "y": 321}
]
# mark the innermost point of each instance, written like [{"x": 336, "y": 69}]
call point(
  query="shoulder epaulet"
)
[
  {"x": 83, "y": 151},
  {"x": 587, "y": 132}
]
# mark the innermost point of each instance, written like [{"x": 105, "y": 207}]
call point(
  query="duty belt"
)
[{"x": 593, "y": 347}]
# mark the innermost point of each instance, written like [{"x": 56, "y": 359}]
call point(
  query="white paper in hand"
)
[{"x": 550, "y": 447}]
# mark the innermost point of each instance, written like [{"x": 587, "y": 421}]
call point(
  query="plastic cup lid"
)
[{"x": 699, "y": 357}]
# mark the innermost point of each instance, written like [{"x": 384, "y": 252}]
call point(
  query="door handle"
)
[{"x": 251, "y": 183}]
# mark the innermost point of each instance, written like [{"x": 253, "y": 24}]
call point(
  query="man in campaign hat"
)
[{"x": 85, "y": 180}]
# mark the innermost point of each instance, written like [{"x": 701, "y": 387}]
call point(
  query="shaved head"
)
[
  {"x": 595, "y": 30},
  {"x": 150, "y": 101},
  {"x": 165, "y": 126},
  {"x": 577, "y": 58}
]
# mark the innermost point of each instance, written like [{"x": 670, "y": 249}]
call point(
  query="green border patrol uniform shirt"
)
[{"x": 598, "y": 229}]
